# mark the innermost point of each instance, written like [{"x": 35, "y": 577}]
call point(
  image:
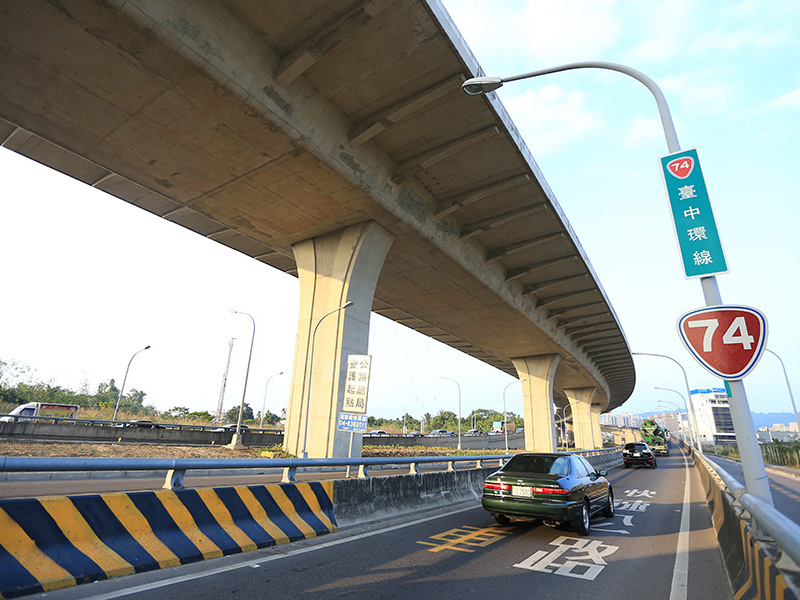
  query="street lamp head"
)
[
  {"x": 481, "y": 85},
  {"x": 347, "y": 304},
  {"x": 147, "y": 347}
]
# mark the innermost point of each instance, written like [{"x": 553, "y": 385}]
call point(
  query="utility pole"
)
[{"x": 218, "y": 416}]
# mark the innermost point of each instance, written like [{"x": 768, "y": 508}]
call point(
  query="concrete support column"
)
[
  {"x": 537, "y": 373},
  {"x": 580, "y": 399},
  {"x": 597, "y": 434},
  {"x": 332, "y": 269}
]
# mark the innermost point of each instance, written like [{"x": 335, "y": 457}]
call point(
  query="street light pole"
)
[
  {"x": 680, "y": 423},
  {"x": 311, "y": 371},
  {"x": 264, "y": 404},
  {"x": 505, "y": 416},
  {"x": 235, "y": 443},
  {"x": 755, "y": 475},
  {"x": 692, "y": 433},
  {"x": 459, "y": 408},
  {"x": 561, "y": 424},
  {"x": 788, "y": 385},
  {"x": 122, "y": 389},
  {"x": 690, "y": 406}
]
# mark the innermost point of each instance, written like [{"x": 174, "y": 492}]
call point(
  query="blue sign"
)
[
  {"x": 352, "y": 422},
  {"x": 695, "y": 227}
]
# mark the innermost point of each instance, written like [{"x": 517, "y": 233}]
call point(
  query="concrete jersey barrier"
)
[{"x": 50, "y": 543}]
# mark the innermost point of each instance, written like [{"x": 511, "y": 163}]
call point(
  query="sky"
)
[{"x": 89, "y": 280}]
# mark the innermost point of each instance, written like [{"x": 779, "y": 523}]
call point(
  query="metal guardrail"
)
[
  {"x": 176, "y": 467},
  {"x": 764, "y": 519},
  {"x": 136, "y": 423}
]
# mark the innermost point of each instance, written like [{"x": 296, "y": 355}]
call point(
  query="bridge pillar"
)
[
  {"x": 597, "y": 434},
  {"x": 580, "y": 399},
  {"x": 332, "y": 269},
  {"x": 537, "y": 373}
]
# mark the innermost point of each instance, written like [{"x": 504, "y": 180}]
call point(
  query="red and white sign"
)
[
  {"x": 681, "y": 167},
  {"x": 726, "y": 340}
]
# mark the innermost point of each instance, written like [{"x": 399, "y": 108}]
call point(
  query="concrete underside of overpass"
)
[{"x": 264, "y": 126}]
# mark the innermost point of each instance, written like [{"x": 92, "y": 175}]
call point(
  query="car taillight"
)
[
  {"x": 491, "y": 485},
  {"x": 550, "y": 490}
]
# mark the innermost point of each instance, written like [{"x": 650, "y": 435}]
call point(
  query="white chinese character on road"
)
[
  {"x": 691, "y": 212},
  {"x": 627, "y": 521},
  {"x": 687, "y": 192},
  {"x": 696, "y": 234},
  {"x": 641, "y": 493},
  {"x": 585, "y": 560},
  {"x": 636, "y": 506},
  {"x": 702, "y": 258}
]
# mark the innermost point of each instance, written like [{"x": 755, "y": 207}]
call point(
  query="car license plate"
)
[
  {"x": 521, "y": 490},
  {"x": 637, "y": 453}
]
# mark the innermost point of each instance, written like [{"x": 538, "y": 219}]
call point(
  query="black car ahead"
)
[
  {"x": 555, "y": 487},
  {"x": 638, "y": 453}
]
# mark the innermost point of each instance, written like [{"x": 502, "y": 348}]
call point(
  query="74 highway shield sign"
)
[{"x": 727, "y": 340}]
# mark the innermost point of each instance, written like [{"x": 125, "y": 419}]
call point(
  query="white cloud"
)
[
  {"x": 699, "y": 92},
  {"x": 664, "y": 30},
  {"x": 550, "y": 118},
  {"x": 569, "y": 31},
  {"x": 536, "y": 33},
  {"x": 720, "y": 39},
  {"x": 644, "y": 130},
  {"x": 790, "y": 101}
]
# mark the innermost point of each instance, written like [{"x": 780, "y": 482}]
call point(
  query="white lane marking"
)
[
  {"x": 680, "y": 574},
  {"x": 257, "y": 562}
]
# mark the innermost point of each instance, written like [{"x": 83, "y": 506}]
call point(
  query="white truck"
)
[{"x": 42, "y": 410}]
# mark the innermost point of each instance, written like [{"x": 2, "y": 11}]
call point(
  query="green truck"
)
[{"x": 655, "y": 436}]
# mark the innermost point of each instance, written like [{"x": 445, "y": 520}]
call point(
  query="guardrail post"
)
[
  {"x": 450, "y": 466},
  {"x": 174, "y": 479},
  {"x": 412, "y": 469},
  {"x": 478, "y": 464},
  {"x": 363, "y": 472},
  {"x": 289, "y": 475}
]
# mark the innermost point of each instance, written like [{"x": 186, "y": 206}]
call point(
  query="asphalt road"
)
[
  {"x": 785, "y": 489},
  {"x": 461, "y": 553}
]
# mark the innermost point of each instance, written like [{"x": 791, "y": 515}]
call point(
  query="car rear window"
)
[{"x": 556, "y": 465}]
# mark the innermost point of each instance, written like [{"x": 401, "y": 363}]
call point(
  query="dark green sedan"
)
[{"x": 557, "y": 488}]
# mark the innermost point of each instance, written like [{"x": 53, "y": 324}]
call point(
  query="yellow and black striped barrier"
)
[
  {"x": 51, "y": 543},
  {"x": 762, "y": 579}
]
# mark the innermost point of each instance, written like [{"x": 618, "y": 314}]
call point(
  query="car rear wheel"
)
[
  {"x": 608, "y": 509},
  {"x": 581, "y": 523},
  {"x": 501, "y": 519},
  {"x": 655, "y": 464}
]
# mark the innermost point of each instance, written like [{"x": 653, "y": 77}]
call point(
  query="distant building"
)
[
  {"x": 621, "y": 420},
  {"x": 779, "y": 432},
  {"x": 713, "y": 414}
]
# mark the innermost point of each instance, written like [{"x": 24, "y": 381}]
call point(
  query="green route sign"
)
[{"x": 695, "y": 228}]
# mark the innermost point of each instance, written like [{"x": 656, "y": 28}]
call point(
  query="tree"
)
[
  {"x": 12, "y": 373},
  {"x": 201, "y": 416},
  {"x": 270, "y": 418},
  {"x": 177, "y": 412},
  {"x": 232, "y": 415}
]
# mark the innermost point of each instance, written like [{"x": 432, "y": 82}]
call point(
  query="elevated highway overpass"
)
[{"x": 330, "y": 140}]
